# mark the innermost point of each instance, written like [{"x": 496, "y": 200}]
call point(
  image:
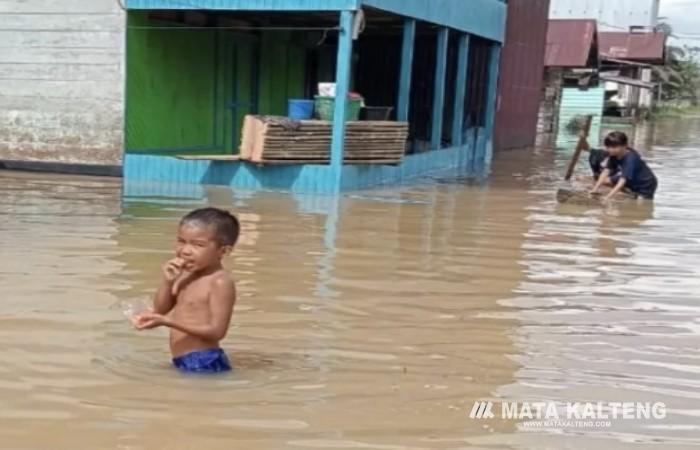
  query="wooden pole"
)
[{"x": 580, "y": 147}]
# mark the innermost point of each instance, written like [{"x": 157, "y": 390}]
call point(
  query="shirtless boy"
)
[{"x": 196, "y": 294}]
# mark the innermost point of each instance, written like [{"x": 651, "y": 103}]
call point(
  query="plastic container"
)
[
  {"x": 325, "y": 107},
  {"x": 380, "y": 113},
  {"x": 300, "y": 109},
  {"x": 133, "y": 308}
]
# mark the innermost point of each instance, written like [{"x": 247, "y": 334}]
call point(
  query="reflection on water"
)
[{"x": 373, "y": 321}]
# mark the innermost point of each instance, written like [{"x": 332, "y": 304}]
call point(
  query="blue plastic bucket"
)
[{"x": 300, "y": 109}]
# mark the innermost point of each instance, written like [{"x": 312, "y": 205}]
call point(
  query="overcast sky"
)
[{"x": 684, "y": 16}]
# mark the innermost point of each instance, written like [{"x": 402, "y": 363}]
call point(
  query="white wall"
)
[
  {"x": 612, "y": 15},
  {"x": 62, "y": 80}
]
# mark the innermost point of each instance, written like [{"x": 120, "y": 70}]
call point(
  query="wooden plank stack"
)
[{"x": 278, "y": 140}]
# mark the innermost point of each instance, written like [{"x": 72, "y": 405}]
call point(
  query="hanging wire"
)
[{"x": 323, "y": 39}]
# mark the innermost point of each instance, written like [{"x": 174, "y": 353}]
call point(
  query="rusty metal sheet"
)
[
  {"x": 521, "y": 74},
  {"x": 571, "y": 43},
  {"x": 642, "y": 47}
]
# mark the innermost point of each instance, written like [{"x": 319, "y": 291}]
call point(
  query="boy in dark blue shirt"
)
[{"x": 625, "y": 169}]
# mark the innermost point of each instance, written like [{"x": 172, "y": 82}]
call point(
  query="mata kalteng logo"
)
[
  {"x": 482, "y": 410},
  {"x": 547, "y": 411}
]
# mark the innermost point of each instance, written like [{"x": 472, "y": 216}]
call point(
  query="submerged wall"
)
[
  {"x": 61, "y": 88},
  {"x": 470, "y": 160}
]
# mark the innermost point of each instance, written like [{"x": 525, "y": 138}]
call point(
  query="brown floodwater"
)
[{"x": 370, "y": 321}]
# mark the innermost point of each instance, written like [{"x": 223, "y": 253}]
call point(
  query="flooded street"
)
[{"x": 373, "y": 321}]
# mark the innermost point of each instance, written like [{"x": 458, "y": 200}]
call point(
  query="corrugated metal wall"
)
[
  {"x": 522, "y": 71},
  {"x": 577, "y": 102},
  {"x": 612, "y": 15}
]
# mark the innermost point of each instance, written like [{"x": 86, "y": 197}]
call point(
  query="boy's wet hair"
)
[
  {"x": 616, "y": 139},
  {"x": 226, "y": 225}
]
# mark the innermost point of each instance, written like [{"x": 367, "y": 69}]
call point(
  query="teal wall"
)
[
  {"x": 484, "y": 18},
  {"x": 305, "y": 178},
  {"x": 577, "y": 102}
]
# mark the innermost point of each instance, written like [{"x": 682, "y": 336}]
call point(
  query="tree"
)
[{"x": 679, "y": 78}]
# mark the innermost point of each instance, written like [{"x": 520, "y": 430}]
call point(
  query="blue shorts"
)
[{"x": 203, "y": 361}]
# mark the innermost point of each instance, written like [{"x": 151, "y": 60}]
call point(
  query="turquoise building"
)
[{"x": 195, "y": 68}]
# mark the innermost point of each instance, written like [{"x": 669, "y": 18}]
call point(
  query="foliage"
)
[
  {"x": 676, "y": 111},
  {"x": 679, "y": 78},
  {"x": 576, "y": 124}
]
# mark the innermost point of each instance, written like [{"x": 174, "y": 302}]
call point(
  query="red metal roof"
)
[
  {"x": 571, "y": 43},
  {"x": 646, "y": 47}
]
